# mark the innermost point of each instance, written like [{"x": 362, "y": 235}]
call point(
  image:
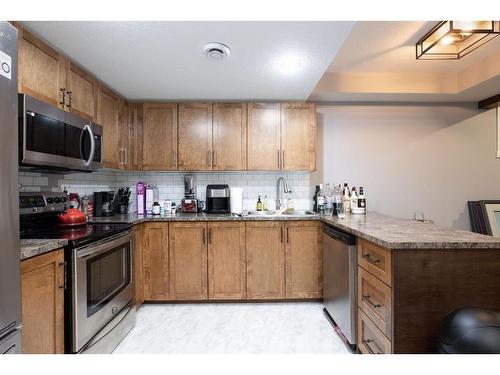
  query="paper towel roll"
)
[{"x": 236, "y": 200}]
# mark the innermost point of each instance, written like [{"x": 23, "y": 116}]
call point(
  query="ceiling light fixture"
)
[
  {"x": 289, "y": 64},
  {"x": 451, "y": 40},
  {"x": 216, "y": 51}
]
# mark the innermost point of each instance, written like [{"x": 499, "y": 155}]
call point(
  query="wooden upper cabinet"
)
[
  {"x": 135, "y": 123},
  {"x": 42, "y": 293},
  {"x": 303, "y": 260},
  {"x": 265, "y": 255},
  {"x": 263, "y": 140},
  {"x": 195, "y": 137},
  {"x": 108, "y": 110},
  {"x": 80, "y": 92},
  {"x": 123, "y": 134},
  {"x": 226, "y": 260},
  {"x": 42, "y": 70},
  {"x": 159, "y": 134},
  {"x": 188, "y": 261},
  {"x": 298, "y": 136},
  {"x": 229, "y": 137},
  {"x": 155, "y": 267}
]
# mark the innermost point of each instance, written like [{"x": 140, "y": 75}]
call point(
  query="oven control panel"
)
[{"x": 33, "y": 203}]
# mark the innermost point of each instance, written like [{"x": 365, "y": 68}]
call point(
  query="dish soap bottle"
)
[
  {"x": 259, "y": 204},
  {"x": 265, "y": 204}
]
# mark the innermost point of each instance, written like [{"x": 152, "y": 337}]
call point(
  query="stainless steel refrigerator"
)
[{"x": 10, "y": 280}]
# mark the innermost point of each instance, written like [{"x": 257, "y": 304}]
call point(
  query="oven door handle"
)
[{"x": 109, "y": 244}]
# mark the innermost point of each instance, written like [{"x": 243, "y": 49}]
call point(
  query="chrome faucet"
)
[{"x": 278, "y": 191}]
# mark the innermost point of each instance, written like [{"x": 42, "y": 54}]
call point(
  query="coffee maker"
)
[
  {"x": 218, "y": 199},
  {"x": 103, "y": 203}
]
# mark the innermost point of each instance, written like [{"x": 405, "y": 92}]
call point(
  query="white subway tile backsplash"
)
[{"x": 171, "y": 184}]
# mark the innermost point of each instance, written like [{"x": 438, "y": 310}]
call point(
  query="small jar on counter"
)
[{"x": 156, "y": 208}]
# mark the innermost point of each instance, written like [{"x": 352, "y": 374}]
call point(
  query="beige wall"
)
[{"x": 411, "y": 157}]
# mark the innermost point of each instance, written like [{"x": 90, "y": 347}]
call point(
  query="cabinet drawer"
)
[
  {"x": 375, "y": 259},
  {"x": 371, "y": 340},
  {"x": 374, "y": 298}
]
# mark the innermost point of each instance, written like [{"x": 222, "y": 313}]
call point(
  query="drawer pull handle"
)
[
  {"x": 371, "y": 259},
  {"x": 367, "y": 344},
  {"x": 369, "y": 301}
]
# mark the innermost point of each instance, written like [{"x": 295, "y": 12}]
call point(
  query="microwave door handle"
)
[{"x": 92, "y": 144}]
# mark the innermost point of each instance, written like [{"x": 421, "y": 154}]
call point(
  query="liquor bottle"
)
[
  {"x": 354, "y": 198},
  {"x": 328, "y": 200},
  {"x": 315, "y": 199},
  {"x": 361, "y": 199},
  {"x": 346, "y": 199},
  {"x": 259, "y": 204},
  {"x": 321, "y": 200},
  {"x": 339, "y": 202}
]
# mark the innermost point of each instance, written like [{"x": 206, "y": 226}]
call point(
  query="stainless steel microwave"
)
[{"x": 50, "y": 138}]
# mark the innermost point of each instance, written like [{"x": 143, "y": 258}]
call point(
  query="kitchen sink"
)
[
  {"x": 299, "y": 213},
  {"x": 261, "y": 213}
]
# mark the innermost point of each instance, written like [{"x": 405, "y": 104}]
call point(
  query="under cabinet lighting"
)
[{"x": 451, "y": 40}]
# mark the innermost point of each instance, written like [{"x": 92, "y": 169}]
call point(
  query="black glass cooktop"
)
[{"x": 76, "y": 236}]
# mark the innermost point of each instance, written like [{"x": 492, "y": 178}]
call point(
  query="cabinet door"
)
[
  {"x": 108, "y": 109},
  {"x": 42, "y": 70},
  {"x": 159, "y": 136},
  {"x": 229, "y": 137},
  {"x": 226, "y": 260},
  {"x": 155, "y": 262},
  {"x": 303, "y": 260},
  {"x": 265, "y": 260},
  {"x": 81, "y": 91},
  {"x": 263, "y": 129},
  {"x": 138, "y": 278},
  {"x": 123, "y": 135},
  {"x": 195, "y": 136},
  {"x": 135, "y": 136},
  {"x": 42, "y": 292},
  {"x": 298, "y": 137},
  {"x": 188, "y": 261}
]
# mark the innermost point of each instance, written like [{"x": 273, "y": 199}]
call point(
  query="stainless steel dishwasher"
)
[{"x": 340, "y": 282}]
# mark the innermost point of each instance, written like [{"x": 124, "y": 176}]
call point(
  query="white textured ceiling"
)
[{"x": 164, "y": 60}]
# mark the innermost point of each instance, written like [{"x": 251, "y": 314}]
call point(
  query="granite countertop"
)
[
  {"x": 31, "y": 248},
  {"x": 386, "y": 231},
  {"x": 398, "y": 233},
  {"x": 389, "y": 232}
]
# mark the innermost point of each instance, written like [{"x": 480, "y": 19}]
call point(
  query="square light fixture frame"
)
[{"x": 430, "y": 47}]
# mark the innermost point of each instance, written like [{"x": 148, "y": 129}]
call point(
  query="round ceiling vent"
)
[{"x": 216, "y": 51}]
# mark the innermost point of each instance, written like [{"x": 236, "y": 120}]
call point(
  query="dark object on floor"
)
[{"x": 470, "y": 331}]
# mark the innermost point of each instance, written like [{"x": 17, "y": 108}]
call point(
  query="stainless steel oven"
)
[
  {"x": 54, "y": 139},
  {"x": 102, "y": 294}
]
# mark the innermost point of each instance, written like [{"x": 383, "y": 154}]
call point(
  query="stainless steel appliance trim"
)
[
  {"x": 29, "y": 157},
  {"x": 92, "y": 144},
  {"x": 218, "y": 193},
  {"x": 102, "y": 246},
  {"x": 11, "y": 344},
  {"x": 10, "y": 281},
  {"x": 84, "y": 327},
  {"x": 340, "y": 280},
  {"x": 113, "y": 333}
]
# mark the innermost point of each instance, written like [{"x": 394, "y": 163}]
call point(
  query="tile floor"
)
[{"x": 232, "y": 328}]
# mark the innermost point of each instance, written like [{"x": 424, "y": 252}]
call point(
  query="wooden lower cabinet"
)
[
  {"x": 303, "y": 260},
  {"x": 155, "y": 262},
  {"x": 371, "y": 340},
  {"x": 188, "y": 261},
  {"x": 42, "y": 293},
  {"x": 138, "y": 277},
  {"x": 229, "y": 260},
  {"x": 226, "y": 260},
  {"x": 265, "y": 260}
]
